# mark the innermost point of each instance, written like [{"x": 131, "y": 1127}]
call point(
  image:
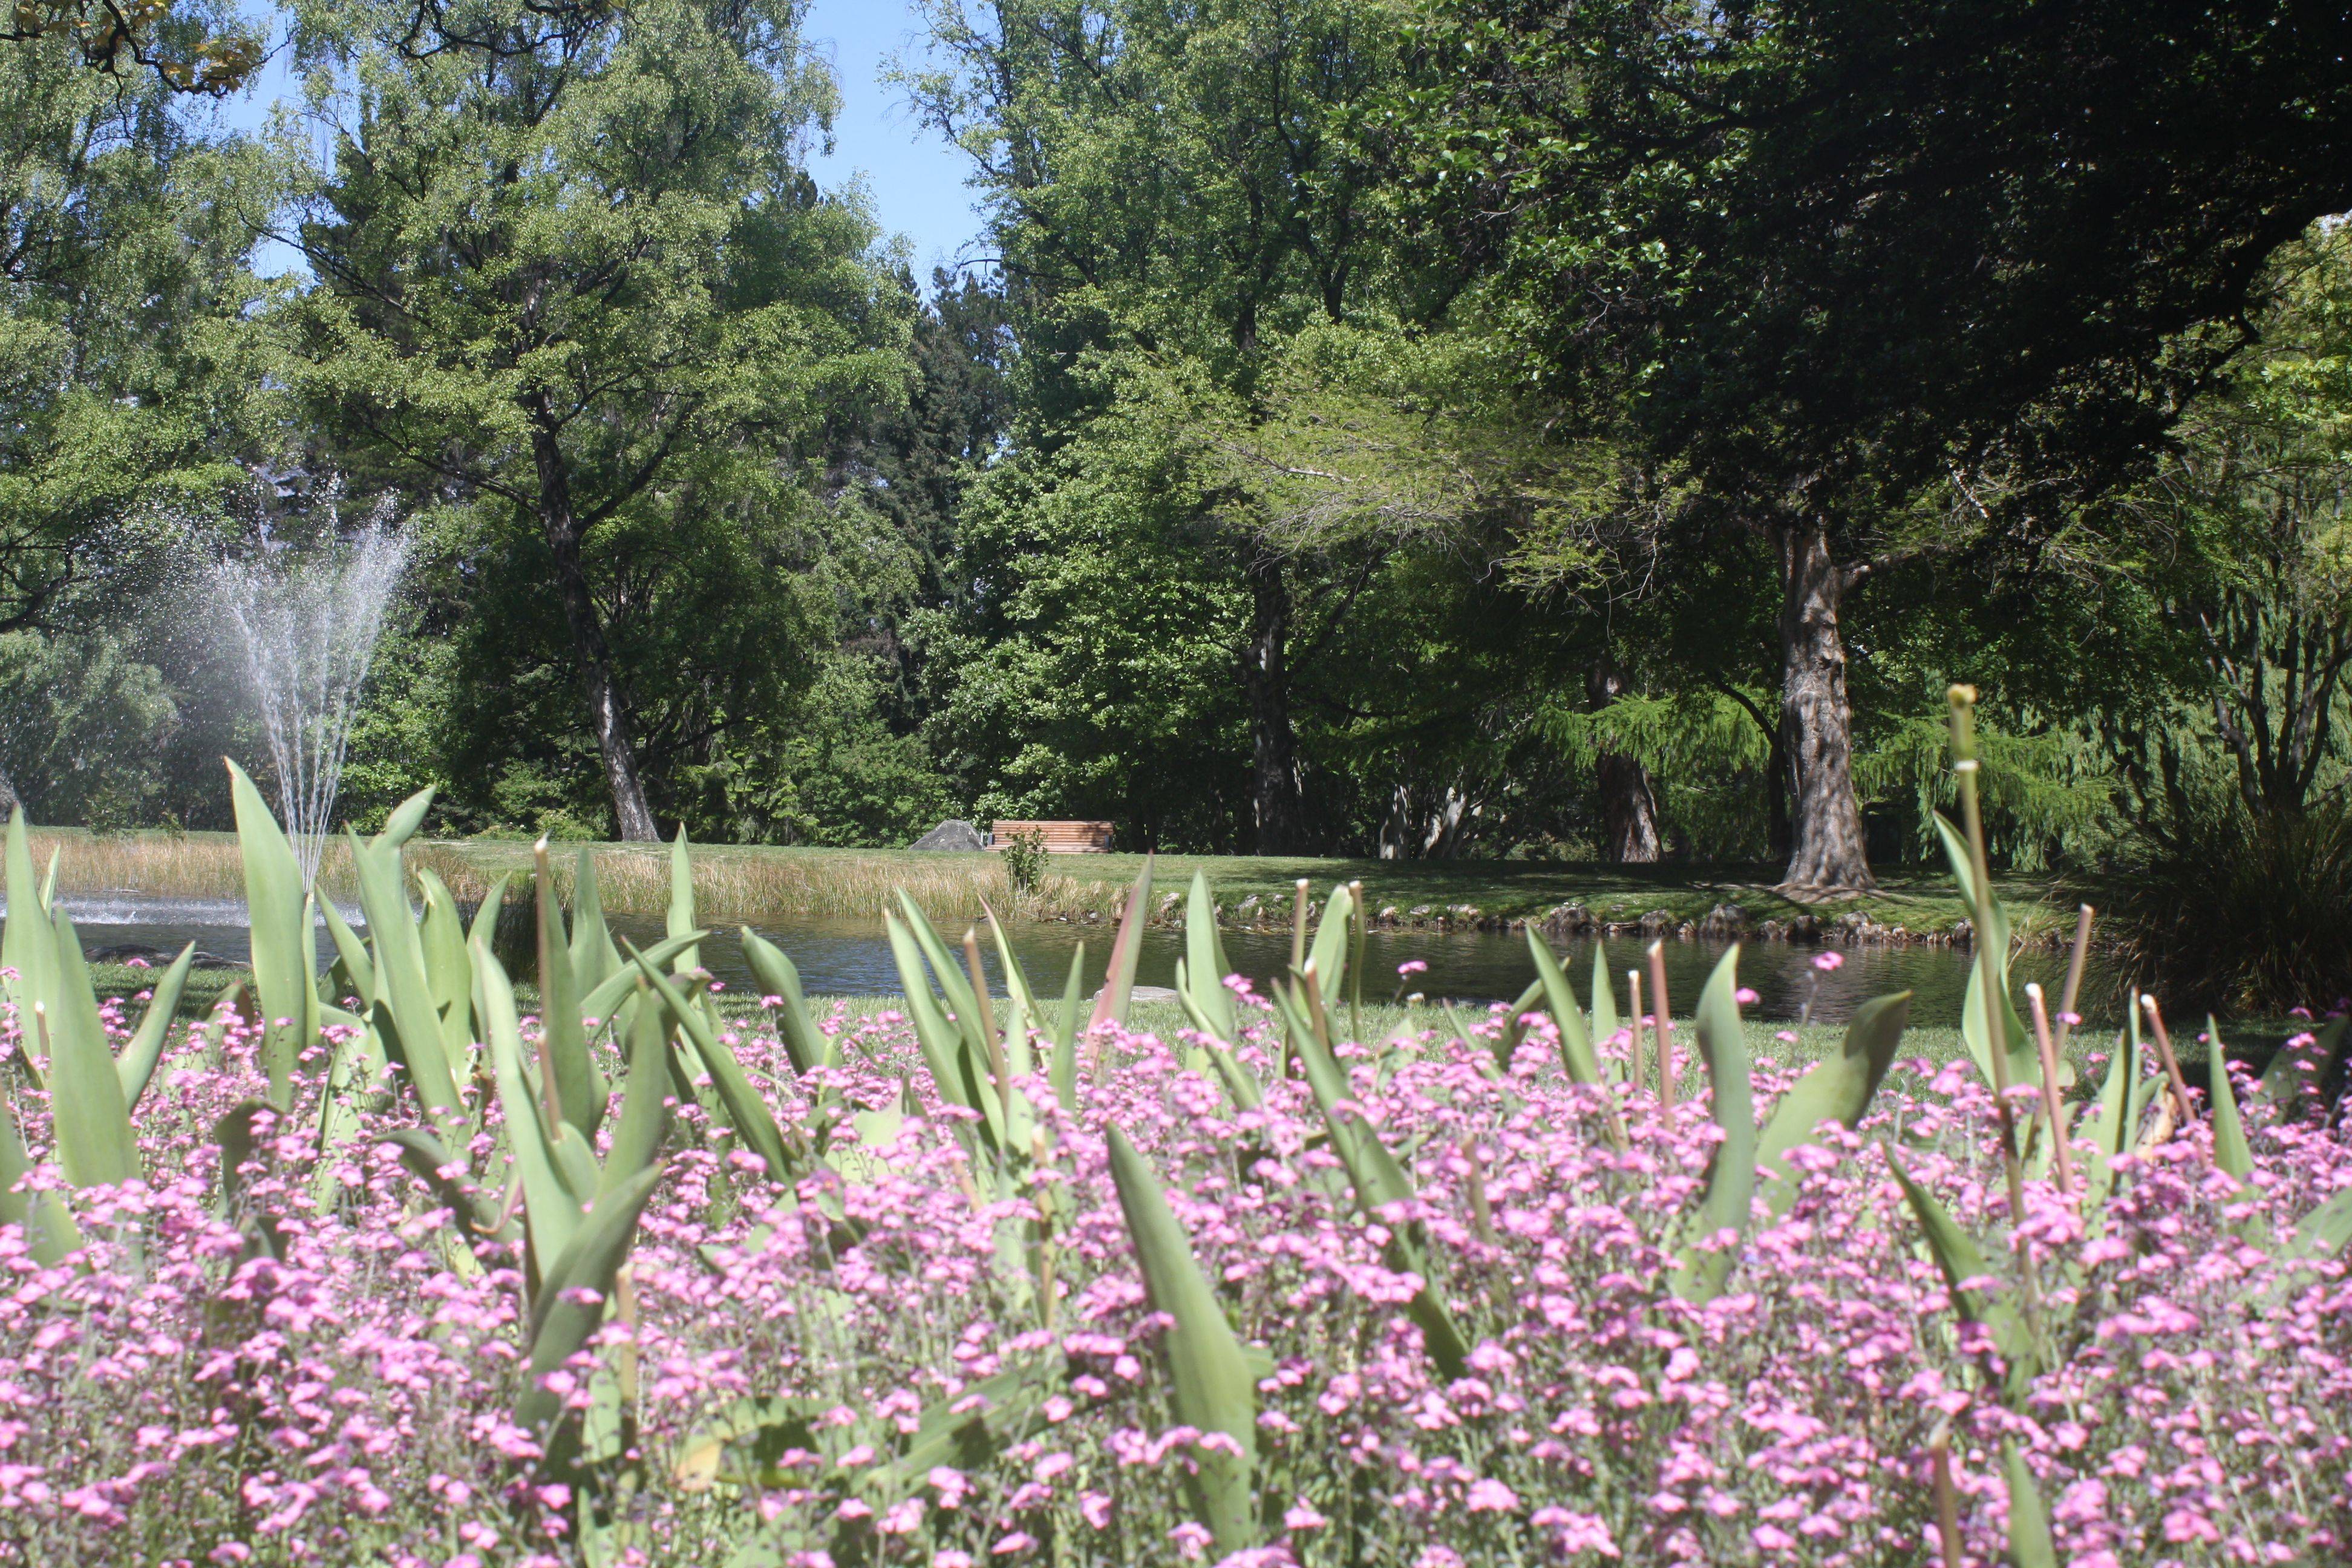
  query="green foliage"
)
[
  {"x": 1024, "y": 859},
  {"x": 1211, "y": 1386},
  {"x": 692, "y": 306},
  {"x": 2235, "y": 913}
]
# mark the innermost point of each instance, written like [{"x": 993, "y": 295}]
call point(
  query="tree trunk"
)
[
  {"x": 1817, "y": 724},
  {"x": 1266, "y": 673},
  {"x": 8, "y": 799},
  {"x": 1629, "y": 805},
  {"x": 608, "y": 708}
]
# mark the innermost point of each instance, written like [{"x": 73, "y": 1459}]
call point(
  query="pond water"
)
[{"x": 851, "y": 957}]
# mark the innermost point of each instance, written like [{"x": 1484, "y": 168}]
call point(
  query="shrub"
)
[
  {"x": 1024, "y": 859},
  {"x": 2238, "y": 914}
]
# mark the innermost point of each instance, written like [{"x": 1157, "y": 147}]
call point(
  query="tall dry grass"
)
[{"x": 731, "y": 885}]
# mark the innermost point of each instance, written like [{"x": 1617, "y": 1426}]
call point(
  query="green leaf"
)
[
  {"x": 1206, "y": 965},
  {"x": 354, "y": 1074},
  {"x": 447, "y": 971},
  {"x": 49, "y": 1230},
  {"x": 1956, "y": 1255},
  {"x": 1064, "y": 1071},
  {"x": 962, "y": 1004},
  {"x": 1606, "y": 1023},
  {"x": 96, "y": 1145},
  {"x": 595, "y": 959},
  {"x": 940, "y": 1041},
  {"x": 1118, "y": 984},
  {"x": 2024, "y": 1065},
  {"x": 1239, "y": 1083},
  {"x": 754, "y": 1123},
  {"x": 552, "y": 1201},
  {"x": 1836, "y": 1088},
  {"x": 2327, "y": 1230},
  {"x": 591, "y": 1261},
  {"x": 400, "y": 974},
  {"x": 2295, "y": 1073},
  {"x": 1731, "y": 1172},
  {"x": 978, "y": 1424},
  {"x": 486, "y": 913},
  {"x": 1515, "y": 1028},
  {"x": 1330, "y": 953},
  {"x": 350, "y": 950},
  {"x": 1378, "y": 1180},
  {"x": 284, "y": 949},
  {"x": 2030, "y": 1545},
  {"x": 680, "y": 917},
  {"x": 606, "y": 1003},
  {"x": 1576, "y": 1055},
  {"x": 645, "y": 1109},
  {"x": 28, "y": 945},
  {"x": 136, "y": 1065},
  {"x": 581, "y": 1091},
  {"x": 778, "y": 977},
  {"x": 1209, "y": 1383},
  {"x": 406, "y": 819},
  {"x": 2232, "y": 1152},
  {"x": 429, "y": 1160}
]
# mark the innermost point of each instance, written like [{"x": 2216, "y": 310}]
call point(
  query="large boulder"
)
[{"x": 952, "y": 835}]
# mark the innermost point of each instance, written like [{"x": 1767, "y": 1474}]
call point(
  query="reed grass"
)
[
  {"x": 765, "y": 885},
  {"x": 732, "y": 884}
]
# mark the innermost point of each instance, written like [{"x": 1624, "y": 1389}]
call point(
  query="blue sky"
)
[{"x": 915, "y": 179}]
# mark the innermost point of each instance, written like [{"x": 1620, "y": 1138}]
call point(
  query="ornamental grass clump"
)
[{"x": 1000, "y": 1281}]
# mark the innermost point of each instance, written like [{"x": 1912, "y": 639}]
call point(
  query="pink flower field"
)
[{"x": 308, "y": 1357}]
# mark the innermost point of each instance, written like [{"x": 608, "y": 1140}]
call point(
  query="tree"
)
[
  {"x": 1883, "y": 280},
  {"x": 2258, "y": 575},
  {"x": 1177, "y": 186},
  {"x": 200, "y": 47},
  {"x": 572, "y": 278},
  {"x": 122, "y": 259}
]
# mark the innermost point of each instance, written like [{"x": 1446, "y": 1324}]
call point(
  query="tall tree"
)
[
  {"x": 1865, "y": 269},
  {"x": 2253, "y": 513},
  {"x": 1178, "y": 184},
  {"x": 572, "y": 272},
  {"x": 121, "y": 270}
]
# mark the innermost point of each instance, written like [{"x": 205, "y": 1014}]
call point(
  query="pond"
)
[{"x": 852, "y": 958}]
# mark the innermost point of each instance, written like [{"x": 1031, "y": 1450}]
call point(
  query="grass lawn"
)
[{"x": 770, "y": 885}]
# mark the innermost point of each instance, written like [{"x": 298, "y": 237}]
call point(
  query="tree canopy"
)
[{"x": 1410, "y": 427}]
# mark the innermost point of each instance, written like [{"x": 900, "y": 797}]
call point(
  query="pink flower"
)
[
  {"x": 1412, "y": 967},
  {"x": 1829, "y": 962},
  {"x": 1746, "y": 998},
  {"x": 1192, "y": 1541},
  {"x": 1301, "y": 1515},
  {"x": 1490, "y": 1496}
]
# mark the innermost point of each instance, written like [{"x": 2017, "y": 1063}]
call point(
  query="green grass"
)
[{"x": 773, "y": 885}]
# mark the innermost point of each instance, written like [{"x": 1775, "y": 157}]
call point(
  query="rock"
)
[
  {"x": 953, "y": 837},
  {"x": 1724, "y": 920},
  {"x": 1569, "y": 920}
]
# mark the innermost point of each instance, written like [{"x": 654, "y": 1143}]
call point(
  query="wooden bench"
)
[{"x": 1060, "y": 837}]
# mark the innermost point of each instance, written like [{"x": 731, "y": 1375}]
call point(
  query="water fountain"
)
[{"x": 306, "y": 623}]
